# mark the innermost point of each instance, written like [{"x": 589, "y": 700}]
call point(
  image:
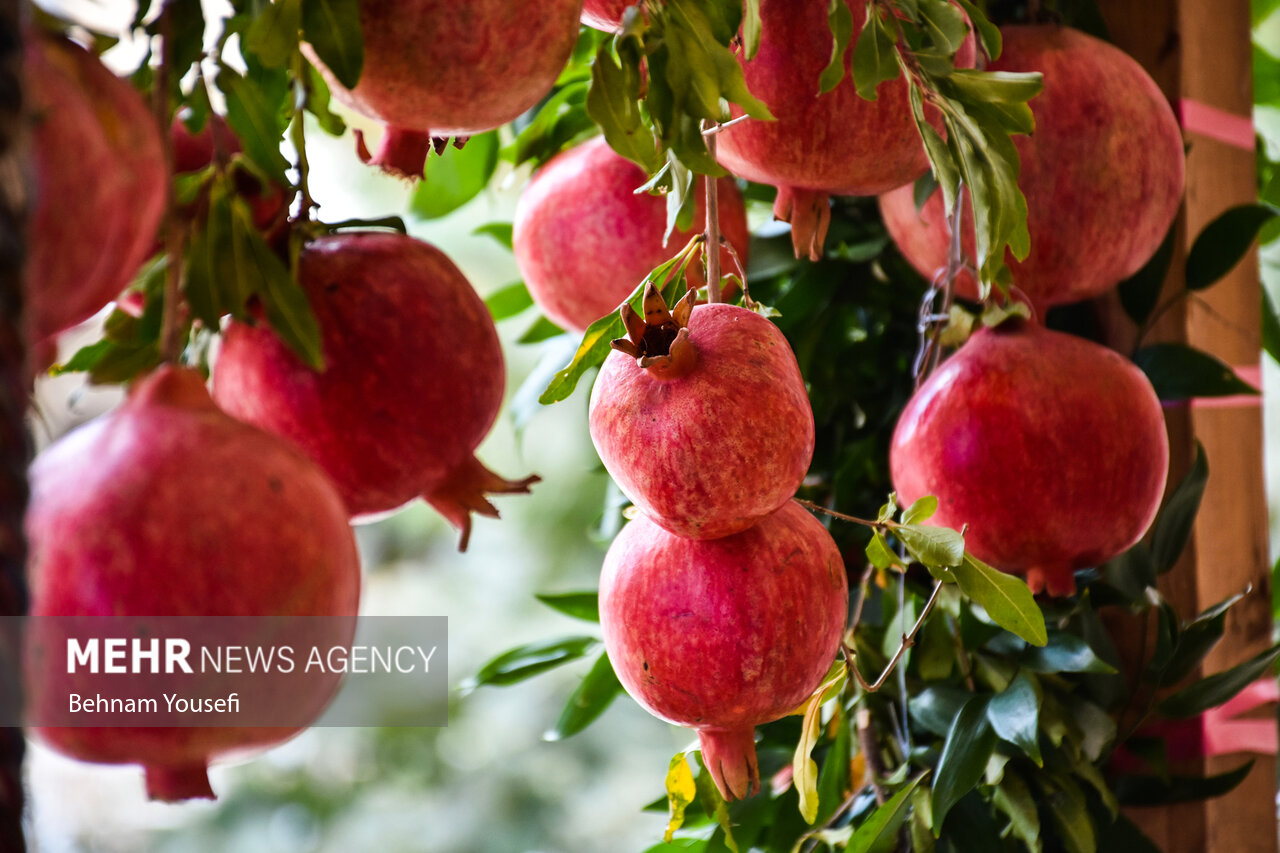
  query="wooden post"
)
[{"x": 1200, "y": 55}]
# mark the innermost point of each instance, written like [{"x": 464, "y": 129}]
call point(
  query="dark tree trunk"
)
[{"x": 15, "y": 445}]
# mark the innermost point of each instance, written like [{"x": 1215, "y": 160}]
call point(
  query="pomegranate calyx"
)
[
  {"x": 170, "y": 784},
  {"x": 659, "y": 341},
  {"x": 809, "y": 212},
  {"x": 401, "y": 152},
  {"x": 730, "y": 758},
  {"x": 465, "y": 490}
]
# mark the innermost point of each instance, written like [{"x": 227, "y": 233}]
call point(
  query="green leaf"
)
[
  {"x": 969, "y": 744},
  {"x": 1179, "y": 372},
  {"x": 500, "y": 231},
  {"x": 1006, "y": 599},
  {"x": 934, "y": 547},
  {"x": 1123, "y": 836},
  {"x": 1064, "y": 652},
  {"x": 255, "y": 121},
  {"x": 1140, "y": 292},
  {"x": 1015, "y": 716},
  {"x": 944, "y": 24},
  {"x": 921, "y": 510},
  {"x": 1214, "y": 690},
  {"x": 875, "y": 57},
  {"x": 579, "y": 605},
  {"x": 541, "y": 330},
  {"x": 750, "y": 28},
  {"x": 333, "y": 29},
  {"x": 1160, "y": 791},
  {"x": 878, "y": 824},
  {"x": 273, "y": 35},
  {"x": 879, "y": 552},
  {"x": 936, "y": 706},
  {"x": 988, "y": 32},
  {"x": 508, "y": 301},
  {"x": 317, "y": 103},
  {"x": 840, "y": 19},
  {"x": 1172, "y": 528},
  {"x": 1224, "y": 242},
  {"x": 522, "y": 662},
  {"x": 596, "y": 692},
  {"x": 611, "y": 103},
  {"x": 266, "y": 276},
  {"x": 455, "y": 176},
  {"x": 1013, "y": 797},
  {"x": 1070, "y": 811}
]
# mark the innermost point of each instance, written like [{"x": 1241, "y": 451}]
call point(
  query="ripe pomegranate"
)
[
  {"x": 584, "y": 238},
  {"x": 605, "y": 14},
  {"x": 1102, "y": 174},
  {"x": 413, "y": 378},
  {"x": 98, "y": 184},
  {"x": 820, "y": 145},
  {"x": 702, "y": 416},
  {"x": 167, "y": 507},
  {"x": 721, "y": 635},
  {"x": 453, "y": 69},
  {"x": 1051, "y": 448}
]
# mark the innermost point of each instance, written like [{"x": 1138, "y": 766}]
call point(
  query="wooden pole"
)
[{"x": 1200, "y": 55}]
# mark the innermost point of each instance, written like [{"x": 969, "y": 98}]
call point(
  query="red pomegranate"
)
[
  {"x": 820, "y": 145},
  {"x": 584, "y": 238},
  {"x": 413, "y": 378},
  {"x": 453, "y": 69},
  {"x": 98, "y": 184},
  {"x": 605, "y": 14},
  {"x": 721, "y": 635},
  {"x": 1051, "y": 448},
  {"x": 702, "y": 417},
  {"x": 168, "y": 508},
  {"x": 1102, "y": 174}
]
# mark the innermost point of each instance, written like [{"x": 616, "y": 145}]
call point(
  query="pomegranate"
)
[
  {"x": 413, "y": 378},
  {"x": 435, "y": 69},
  {"x": 721, "y": 635},
  {"x": 605, "y": 14},
  {"x": 702, "y": 416},
  {"x": 584, "y": 238},
  {"x": 820, "y": 145},
  {"x": 1106, "y": 150},
  {"x": 167, "y": 507},
  {"x": 98, "y": 184},
  {"x": 1051, "y": 448}
]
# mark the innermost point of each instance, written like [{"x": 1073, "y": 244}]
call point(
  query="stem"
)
[
  {"x": 908, "y": 640},
  {"x": 298, "y": 136},
  {"x": 870, "y": 746},
  {"x": 713, "y": 225},
  {"x": 840, "y": 515},
  {"x": 170, "y": 342}
]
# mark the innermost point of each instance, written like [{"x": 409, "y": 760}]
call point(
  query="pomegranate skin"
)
[
  {"x": 98, "y": 184},
  {"x": 1050, "y": 447},
  {"x": 435, "y": 68},
  {"x": 168, "y": 507},
  {"x": 1107, "y": 149},
  {"x": 710, "y": 452},
  {"x": 583, "y": 238},
  {"x": 721, "y": 635},
  {"x": 413, "y": 377},
  {"x": 605, "y": 14},
  {"x": 834, "y": 143}
]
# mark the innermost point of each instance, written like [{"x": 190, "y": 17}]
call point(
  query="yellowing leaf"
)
[
  {"x": 681, "y": 789},
  {"x": 804, "y": 768}
]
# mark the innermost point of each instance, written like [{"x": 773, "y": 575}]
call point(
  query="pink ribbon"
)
[{"x": 1214, "y": 123}]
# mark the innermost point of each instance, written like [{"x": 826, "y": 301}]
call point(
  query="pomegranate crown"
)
[{"x": 659, "y": 341}]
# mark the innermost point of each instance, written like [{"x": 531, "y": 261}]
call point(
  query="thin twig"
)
[
  {"x": 713, "y": 225},
  {"x": 908, "y": 640},
  {"x": 840, "y": 515},
  {"x": 170, "y": 344},
  {"x": 298, "y": 136},
  {"x": 717, "y": 127},
  {"x": 870, "y": 746}
]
